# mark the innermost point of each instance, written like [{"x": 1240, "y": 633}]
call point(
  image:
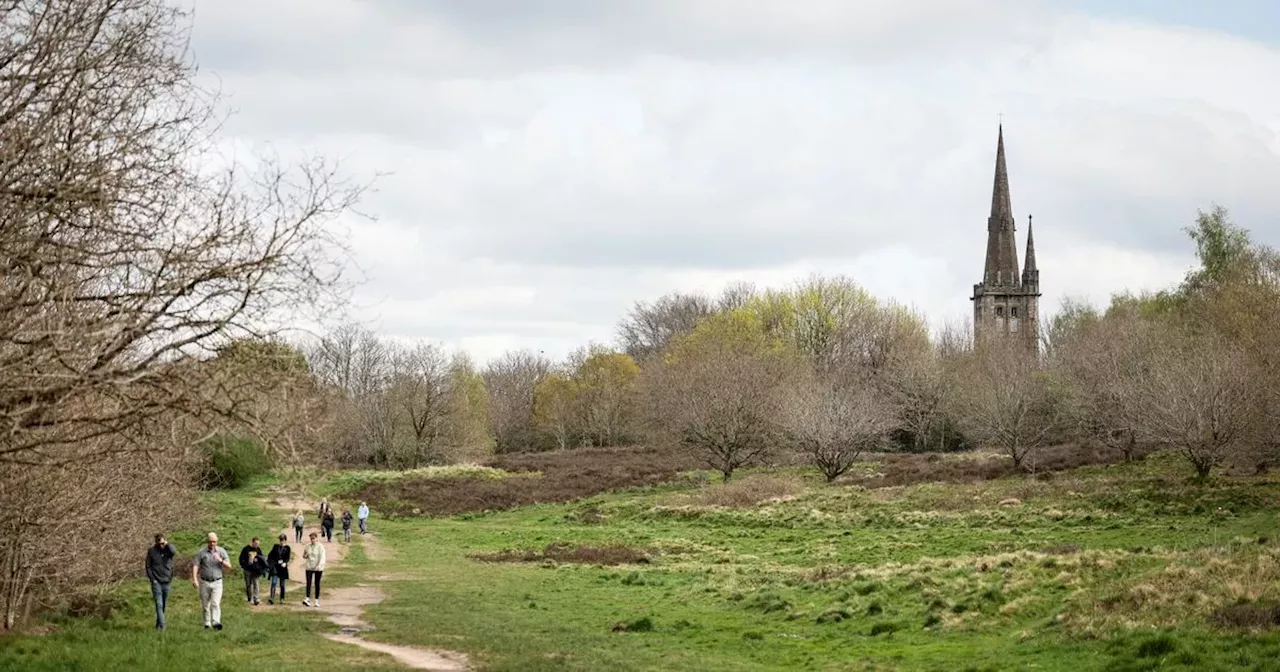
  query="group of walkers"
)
[
  {"x": 325, "y": 513},
  {"x": 212, "y": 560}
]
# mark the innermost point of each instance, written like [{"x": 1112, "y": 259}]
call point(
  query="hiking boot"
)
[{"x": 270, "y": 601}]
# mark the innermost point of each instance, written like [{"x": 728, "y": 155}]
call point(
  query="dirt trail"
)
[{"x": 345, "y": 606}]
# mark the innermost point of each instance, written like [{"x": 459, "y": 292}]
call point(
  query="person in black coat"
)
[
  {"x": 326, "y": 524},
  {"x": 254, "y": 566},
  {"x": 278, "y": 567}
]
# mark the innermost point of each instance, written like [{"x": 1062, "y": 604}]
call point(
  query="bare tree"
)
[
  {"x": 716, "y": 391},
  {"x": 724, "y": 408},
  {"x": 1105, "y": 361},
  {"x": 351, "y": 358},
  {"x": 1006, "y": 400},
  {"x": 510, "y": 381},
  {"x": 954, "y": 339},
  {"x": 420, "y": 386},
  {"x": 735, "y": 295},
  {"x": 833, "y": 426},
  {"x": 129, "y": 250},
  {"x": 650, "y": 327},
  {"x": 121, "y": 257},
  {"x": 1200, "y": 395},
  {"x": 919, "y": 388}
]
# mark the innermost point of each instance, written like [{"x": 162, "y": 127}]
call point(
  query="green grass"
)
[{"x": 1102, "y": 568}]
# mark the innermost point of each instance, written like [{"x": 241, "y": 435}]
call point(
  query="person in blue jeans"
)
[{"x": 160, "y": 572}]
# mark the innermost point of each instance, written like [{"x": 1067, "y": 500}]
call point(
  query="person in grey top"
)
[
  {"x": 160, "y": 572},
  {"x": 206, "y": 576}
]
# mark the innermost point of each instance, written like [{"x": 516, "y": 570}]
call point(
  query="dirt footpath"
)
[{"x": 345, "y": 606}]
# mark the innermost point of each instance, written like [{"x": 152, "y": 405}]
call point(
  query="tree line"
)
[{"x": 824, "y": 369}]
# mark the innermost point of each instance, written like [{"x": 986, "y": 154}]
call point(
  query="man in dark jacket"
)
[
  {"x": 254, "y": 566},
  {"x": 160, "y": 572},
  {"x": 278, "y": 567}
]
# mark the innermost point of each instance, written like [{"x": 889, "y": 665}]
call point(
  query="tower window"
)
[
  {"x": 999, "y": 311},
  {"x": 1013, "y": 312}
]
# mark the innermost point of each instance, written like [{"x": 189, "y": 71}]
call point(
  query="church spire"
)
[
  {"x": 1030, "y": 274},
  {"x": 1001, "y": 205},
  {"x": 1001, "y": 266}
]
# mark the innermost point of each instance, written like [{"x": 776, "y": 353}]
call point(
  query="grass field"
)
[{"x": 1119, "y": 567}]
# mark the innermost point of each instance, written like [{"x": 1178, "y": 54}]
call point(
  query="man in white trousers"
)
[{"x": 206, "y": 576}]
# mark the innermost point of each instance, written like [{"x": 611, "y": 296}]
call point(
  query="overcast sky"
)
[{"x": 550, "y": 162}]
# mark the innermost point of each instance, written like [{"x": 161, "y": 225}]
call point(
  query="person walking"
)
[
  {"x": 160, "y": 572},
  {"x": 362, "y": 514},
  {"x": 326, "y": 524},
  {"x": 314, "y": 554},
  {"x": 206, "y": 576},
  {"x": 297, "y": 526},
  {"x": 254, "y": 566},
  {"x": 278, "y": 564},
  {"x": 324, "y": 506},
  {"x": 346, "y": 526}
]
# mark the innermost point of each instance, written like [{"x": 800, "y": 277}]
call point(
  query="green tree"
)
[
  {"x": 606, "y": 392},
  {"x": 469, "y": 419},
  {"x": 556, "y": 408}
]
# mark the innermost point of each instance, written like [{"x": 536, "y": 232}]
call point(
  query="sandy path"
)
[{"x": 345, "y": 606}]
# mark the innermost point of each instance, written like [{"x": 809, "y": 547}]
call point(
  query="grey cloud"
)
[{"x": 447, "y": 39}]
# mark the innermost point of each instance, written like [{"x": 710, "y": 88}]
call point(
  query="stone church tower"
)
[{"x": 1006, "y": 303}]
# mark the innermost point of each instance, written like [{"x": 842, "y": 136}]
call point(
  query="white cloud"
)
[{"x": 553, "y": 162}]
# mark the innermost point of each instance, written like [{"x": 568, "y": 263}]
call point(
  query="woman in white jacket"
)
[{"x": 314, "y": 555}]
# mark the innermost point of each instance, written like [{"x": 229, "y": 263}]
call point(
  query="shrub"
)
[
  {"x": 883, "y": 629},
  {"x": 232, "y": 461},
  {"x": 94, "y": 602},
  {"x": 748, "y": 492},
  {"x": 1248, "y": 616},
  {"x": 642, "y": 624}
]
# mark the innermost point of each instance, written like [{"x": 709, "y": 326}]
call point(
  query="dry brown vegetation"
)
[
  {"x": 614, "y": 554},
  {"x": 911, "y": 468},
  {"x": 1248, "y": 616},
  {"x": 748, "y": 491},
  {"x": 563, "y": 476}
]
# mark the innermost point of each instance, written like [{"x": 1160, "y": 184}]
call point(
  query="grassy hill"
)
[{"x": 1106, "y": 567}]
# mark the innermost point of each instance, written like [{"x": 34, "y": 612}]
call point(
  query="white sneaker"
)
[
  {"x": 306, "y": 602},
  {"x": 317, "y": 604}
]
